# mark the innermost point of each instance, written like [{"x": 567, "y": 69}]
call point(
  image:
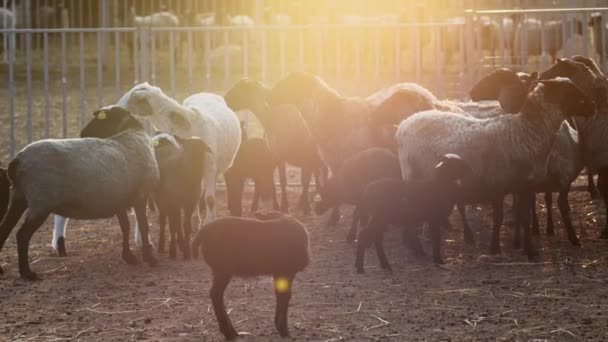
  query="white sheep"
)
[
  {"x": 202, "y": 115},
  {"x": 155, "y": 20}
]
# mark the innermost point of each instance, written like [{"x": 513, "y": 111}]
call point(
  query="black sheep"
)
[
  {"x": 5, "y": 188},
  {"x": 409, "y": 204},
  {"x": 254, "y": 160},
  {"x": 273, "y": 244},
  {"x": 180, "y": 162},
  {"x": 346, "y": 187}
]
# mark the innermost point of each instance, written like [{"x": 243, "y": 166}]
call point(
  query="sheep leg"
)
[
  {"x": 175, "y": 228},
  {"x": 528, "y": 199},
  {"x": 469, "y": 238},
  {"x": 210, "y": 180},
  {"x": 16, "y": 208},
  {"x": 275, "y": 203},
  {"x": 220, "y": 282},
  {"x": 282, "y": 290},
  {"x": 33, "y": 221},
  {"x": 534, "y": 218},
  {"x": 188, "y": 211},
  {"x": 564, "y": 209},
  {"x": 127, "y": 255},
  {"x": 350, "y": 237},
  {"x": 379, "y": 245},
  {"x": 517, "y": 228},
  {"x": 363, "y": 242},
  {"x": 142, "y": 219},
  {"x": 436, "y": 241},
  {"x": 410, "y": 235},
  {"x": 162, "y": 223},
  {"x": 256, "y": 198},
  {"x": 602, "y": 184},
  {"x": 591, "y": 189},
  {"x": 497, "y": 215},
  {"x": 283, "y": 182},
  {"x": 59, "y": 235},
  {"x": 549, "y": 205},
  {"x": 334, "y": 217},
  {"x": 305, "y": 177}
]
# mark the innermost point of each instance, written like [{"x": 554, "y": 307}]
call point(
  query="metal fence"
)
[{"x": 50, "y": 88}]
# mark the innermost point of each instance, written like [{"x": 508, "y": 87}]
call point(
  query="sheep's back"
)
[
  {"x": 84, "y": 178},
  {"x": 249, "y": 247},
  {"x": 220, "y": 125}
]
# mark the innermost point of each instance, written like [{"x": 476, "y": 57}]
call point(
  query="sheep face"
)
[
  {"x": 580, "y": 74},
  {"x": 563, "y": 93},
  {"x": 166, "y": 149},
  {"x": 246, "y": 94},
  {"x": 110, "y": 121},
  {"x": 505, "y": 86}
]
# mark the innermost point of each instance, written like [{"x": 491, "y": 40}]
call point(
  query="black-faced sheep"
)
[
  {"x": 488, "y": 144},
  {"x": 593, "y": 130},
  {"x": 274, "y": 244},
  {"x": 254, "y": 161},
  {"x": 109, "y": 170},
  {"x": 347, "y": 185},
  {"x": 287, "y": 134},
  {"x": 181, "y": 164},
  {"x": 409, "y": 204}
]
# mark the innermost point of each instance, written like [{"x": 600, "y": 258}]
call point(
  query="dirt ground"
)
[{"x": 92, "y": 295}]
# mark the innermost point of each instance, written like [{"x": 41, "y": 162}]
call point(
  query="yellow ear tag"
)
[
  {"x": 101, "y": 115},
  {"x": 155, "y": 143}
]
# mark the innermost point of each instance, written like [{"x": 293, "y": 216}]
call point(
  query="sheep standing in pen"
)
[
  {"x": 5, "y": 190},
  {"x": 181, "y": 163},
  {"x": 287, "y": 133},
  {"x": 253, "y": 160},
  {"x": 409, "y": 204},
  {"x": 109, "y": 170},
  {"x": 273, "y": 244},
  {"x": 202, "y": 115},
  {"x": 488, "y": 145},
  {"x": 163, "y": 19},
  {"x": 347, "y": 185},
  {"x": 594, "y": 130}
]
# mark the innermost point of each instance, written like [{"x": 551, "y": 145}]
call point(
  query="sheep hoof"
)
[
  {"x": 150, "y": 259},
  {"x": 30, "y": 276},
  {"x": 129, "y": 258},
  {"x": 61, "y": 251}
]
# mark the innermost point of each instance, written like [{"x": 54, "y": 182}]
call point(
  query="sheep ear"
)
[
  {"x": 439, "y": 165},
  {"x": 178, "y": 120}
]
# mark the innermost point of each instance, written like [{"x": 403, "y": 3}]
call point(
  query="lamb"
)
[
  {"x": 5, "y": 190},
  {"x": 202, "y": 115},
  {"x": 347, "y": 185},
  {"x": 487, "y": 144},
  {"x": 181, "y": 164},
  {"x": 109, "y": 170},
  {"x": 593, "y": 130},
  {"x": 287, "y": 134},
  {"x": 273, "y": 244},
  {"x": 254, "y": 160},
  {"x": 160, "y": 19},
  {"x": 409, "y": 204}
]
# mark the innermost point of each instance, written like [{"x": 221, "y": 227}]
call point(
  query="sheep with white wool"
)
[
  {"x": 106, "y": 172},
  {"x": 272, "y": 244},
  {"x": 164, "y": 19},
  {"x": 203, "y": 115},
  {"x": 507, "y": 152}
]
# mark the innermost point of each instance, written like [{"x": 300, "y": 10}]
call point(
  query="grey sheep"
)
[{"x": 110, "y": 169}]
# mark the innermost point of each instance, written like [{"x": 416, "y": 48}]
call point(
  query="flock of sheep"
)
[{"x": 401, "y": 156}]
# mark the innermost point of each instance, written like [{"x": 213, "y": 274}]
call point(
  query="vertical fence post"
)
[
  {"x": 208, "y": 58},
  {"x": 470, "y": 49},
  {"x": 82, "y": 85},
  {"x": 282, "y": 48},
  {"x": 603, "y": 27},
  {"x": 190, "y": 85},
  {"x": 501, "y": 40},
  {"x": 585, "y": 34},
  {"x": 100, "y": 63},
  {"x": 543, "y": 43},
  {"x": 28, "y": 84},
  {"x": 226, "y": 57},
  {"x": 246, "y": 34},
  {"x": 64, "y": 86},
  {"x": 398, "y": 53},
  {"x": 47, "y": 104},
  {"x": 153, "y": 49},
  {"x": 11, "y": 96},
  {"x": 171, "y": 63},
  {"x": 117, "y": 65},
  {"x": 264, "y": 55}
]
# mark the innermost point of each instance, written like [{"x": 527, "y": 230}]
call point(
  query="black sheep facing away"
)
[
  {"x": 254, "y": 161},
  {"x": 180, "y": 163},
  {"x": 409, "y": 204},
  {"x": 271, "y": 244}
]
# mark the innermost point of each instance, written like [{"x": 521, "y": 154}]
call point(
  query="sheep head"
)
[
  {"x": 562, "y": 92},
  {"x": 505, "y": 86},
  {"x": 110, "y": 121},
  {"x": 399, "y": 106},
  {"x": 247, "y": 94},
  {"x": 590, "y": 63},
  {"x": 296, "y": 88},
  {"x": 580, "y": 74}
]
